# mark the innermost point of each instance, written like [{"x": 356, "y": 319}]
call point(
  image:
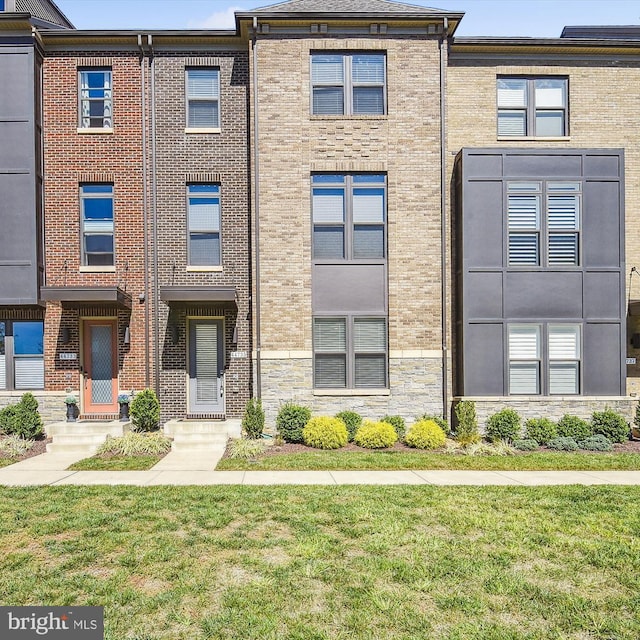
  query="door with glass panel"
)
[
  {"x": 100, "y": 371},
  {"x": 206, "y": 366}
]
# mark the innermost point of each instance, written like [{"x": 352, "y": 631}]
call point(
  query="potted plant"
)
[
  {"x": 123, "y": 400},
  {"x": 72, "y": 407}
]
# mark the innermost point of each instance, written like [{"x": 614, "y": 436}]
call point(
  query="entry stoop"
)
[
  {"x": 83, "y": 437},
  {"x": 198, "y": 436}
]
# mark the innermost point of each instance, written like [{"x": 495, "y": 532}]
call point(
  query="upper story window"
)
[
  {"x": 96, "y": 205},
  {"x": 1, "y": 5},
  {"x": 203, "y": 221},
  {"x": 95, "y": 99},
  {"x": 349, "y": 216},
  {"x": 203, "y": 98},
  {"x": 543, "y": 220},
  {"x": 534, "y": 107},
  {"x": 21, "y": 354},
  {"x": 348, "y": 84}
]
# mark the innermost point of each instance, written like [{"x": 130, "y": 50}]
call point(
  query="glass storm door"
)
[
  {"x": 206, "y": 366},
  {"x": 100, "y": 375}
]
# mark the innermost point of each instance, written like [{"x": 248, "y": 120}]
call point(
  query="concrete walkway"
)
[{"x": 180, "y": 469}]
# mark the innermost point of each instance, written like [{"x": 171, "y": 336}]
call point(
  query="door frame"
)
[{"x": 85, "y": 389}]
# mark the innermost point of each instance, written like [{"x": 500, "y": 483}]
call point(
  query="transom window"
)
[
  {"x": 96, "y": 203},
  {"x": 203, "y": 221},
  {"x": 532, "y": 107},
  {"x": 203, "y": 98},
  {"x": 21, "y": 354},
  {"x": 349, "y": 216},
  {"x": 350, "y": 352},
  {"x": 543, "y": 220},
  {"x": 348, "y": 84},
  {"x": 95, "y": 99}
]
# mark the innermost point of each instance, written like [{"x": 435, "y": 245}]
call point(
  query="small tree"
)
[
  {"x": 467, "y": 423},
  {"x": 145, "y": 411},
  {"x": 253, "y": 419}
]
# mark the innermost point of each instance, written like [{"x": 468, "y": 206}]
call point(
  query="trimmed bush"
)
[
  {"x": 425, "y": 434},
  {"x": 22, "y": 419},
  {"x": 352, "y": 421},
  {"x": 525, "y": 445},
  {"x": 504, "y": 425},
  {"x": 439, "y": 420},
  {"x": 246, "y": 449},
  {"x": 8, "y": 419},
  {"x": 291, "y": 420},
  {"x": 610, "y": 424},
  {"x": 467, "y": 423},
  {"x": 145, "y": 411},
  {"x": 563, "y": 444},
  {"x": 596, "y": 443},
  {"x": 376, "y": 435},
  {"x": 253, "y": 419},
  {"x": 325, "y": 432},
  {"x": 573, "y": 427},
  {"x": 136, "y": 444},
  {"x": 541, "y": 430},
  {"x": 398, "y": 423}
]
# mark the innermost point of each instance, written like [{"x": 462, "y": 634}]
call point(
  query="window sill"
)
[
  {"x": 97, "y": 269},
  {"x": 534, "y": 138},
  {"x": 317, "y": 116},
  {"x": 95, "y": 130},
  {"x": 351, "y": 392},
  {"x": 204, "y": 130},
  {"x": 204, "y": 269}
]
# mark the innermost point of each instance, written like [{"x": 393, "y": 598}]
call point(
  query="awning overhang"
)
[
  {"x": 78, "y": 296},
  {"x": 223, "y": 296}
]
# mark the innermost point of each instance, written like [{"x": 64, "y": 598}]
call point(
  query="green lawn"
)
[
  {"x": 335, "y": 563},
  {"x": 334, "y": 460},
  {"x": 5, "y": 462},
  {"x": 116, "y": 463}
]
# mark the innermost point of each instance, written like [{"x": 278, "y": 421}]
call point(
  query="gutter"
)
[{"x": 443, "y": 218}]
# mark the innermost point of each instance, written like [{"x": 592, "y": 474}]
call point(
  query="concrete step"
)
[
  {"x": 86, "y": 428},
  {"x": 201, "y": 438},
  {"x": 84, "y": 438},
  {"x": 211, "y": 450},
  {"x": 174, "y": 427},
  {"x": 83, "y": 450}
]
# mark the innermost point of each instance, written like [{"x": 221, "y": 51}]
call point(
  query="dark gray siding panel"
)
[
  {"x": 484, "y": 295},
  {"x": 15, "y": 72},
  {"x": 350, "y": 288},
  {"x": 601, "y": 224},
  {"x": 543, "y": 294},
  {"x": 603, "y": 166},
  {"x": 483, "y": 224},
  {"x": 484, "y": 360},
  {"x": 602, "y": 362},
  {"x": 602, "y": 295},
  {"x": 542, "y": 165}
]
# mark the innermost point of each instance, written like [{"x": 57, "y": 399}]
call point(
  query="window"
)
[
  {"x": 95, "y": 99},
  {"x": 203, "y": 98},
  {"x": 543, "y": 220},
  {"x": 21, "y": 354},
  {"x": 203, "y": 220},
  {"x": 532, "y": 107},
  {"x": 350, "y": 353},
  {"x": 348, "y": 84},
  {"x": 561, "y": 359},
  {"x": 349, "y": 213},
  {"x": 96, "y": 204}
]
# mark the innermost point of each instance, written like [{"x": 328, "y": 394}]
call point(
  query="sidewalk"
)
[{"x": 176, "y": 469}]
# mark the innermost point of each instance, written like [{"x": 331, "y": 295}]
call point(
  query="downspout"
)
[
  {"x": 443, "y": 217},
  {"x": 256, "y": 173},
  {"x": 145, "y": 212}
]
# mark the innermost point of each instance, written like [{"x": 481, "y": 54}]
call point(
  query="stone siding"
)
[{"x": 51, "y": 404}]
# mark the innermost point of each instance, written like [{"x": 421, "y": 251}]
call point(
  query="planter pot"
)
[
  {"x": 71, "y": 412},
  {"x": 124, "y": 413},
  {"x": 635, "y": 432}
]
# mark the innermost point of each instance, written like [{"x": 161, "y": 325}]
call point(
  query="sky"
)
[{"x": 532, "y": 18}]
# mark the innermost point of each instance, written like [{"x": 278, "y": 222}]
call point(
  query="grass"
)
[
  {"x": 349, "y": 460},
  {"x": 315, "y": 563},
  {"x": 116, "y": 463},
  {"x": 5, "y": 462}
]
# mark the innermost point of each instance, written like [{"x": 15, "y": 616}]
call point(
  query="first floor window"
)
[
  {"x": 204, "y": 224},
  {"x": 21, "y": 354},
  {"x": 95, "y": 99},
  {"x": 96, "y": 203},
  {"x": 350, "y": 352}
]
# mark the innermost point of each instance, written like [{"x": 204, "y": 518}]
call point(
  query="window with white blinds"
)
[
  {"x": 532, "y": 107},
  {"x": 96, "y": 202},
  {"x": 563, "y": 218},
  {"x": 348, "y": 84},
  {"x": 524, "y": 359},
  {"x": 95, "y": 99},
  {"x": 203, "y": 223},
  {"x": 349, "y": 216},
  {"x": 21, "y": 354},
  {"x": 203, "y": 98},
  {"x": 564, "y": 359},
  {"x": 350, "y": 352}
]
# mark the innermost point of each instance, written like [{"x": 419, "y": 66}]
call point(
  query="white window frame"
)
[
  {"x": 85, "y": 121},
  {"x": 213, "y": 99}
]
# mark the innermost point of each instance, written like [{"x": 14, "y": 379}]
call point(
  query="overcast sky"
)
[{"x": 542, "y": 18}]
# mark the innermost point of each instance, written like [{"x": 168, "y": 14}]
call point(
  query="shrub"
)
[
  {"x": 136, "y": 444},
  {"x": 398, "y": 423},
  {"x": 504, "y": 425},
  {"x": 352, "y": 421},
  {"x": 610, "y": 424},
  {"x": 439, "y": 420},
  {"x": 426, "y": 434},
  {"x": 246, "y": 449},
  {"x": 498, "y": 448},
  {"x": 291, "y": 420},
  {"x": 563, "y": 444},
  {"x": 14, "y": 446},
  {"x": 467, "y": 423},
  {"x": 145, "y": 410},
  {"x": 325, "y": 432},
  {"x": 22, "y": 419},
  {"x": 596, "y": 443},
  {"x": 376, "y": 435},
  {"x": 7, "y": 419},
  {"x": 541, "y": 430},
  {"x": 573, "y": 427},
  {"x": 253, "y": 419},
  {"x": 525, "y": 445}
]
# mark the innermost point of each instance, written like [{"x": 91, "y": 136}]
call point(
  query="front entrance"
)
[
  {"x": 206, "y": 366},
  {"x": 100, "y": 372}
]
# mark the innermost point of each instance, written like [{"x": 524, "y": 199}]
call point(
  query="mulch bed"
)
[{"x": 38, "y": 448}]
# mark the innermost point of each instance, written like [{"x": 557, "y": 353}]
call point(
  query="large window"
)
[
  {"x": 543, "y": 220},
  {"x": 95, "y": 99},
  {"x": 349, "y": 215},
  {"x": 21, "y": 354},
  {"x": 348, "y": 84},
  {"x": 350, "y": 352},
  {"x": 532, "y": 107},
  {"x": 203, "y": 98},
  {"x": 203, "y": 220},
  {"x": 544, "y": 359},
  {"x": 96, "y": 205}
]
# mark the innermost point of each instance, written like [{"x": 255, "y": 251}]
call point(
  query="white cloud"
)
[{"x": 218, "y": 20}]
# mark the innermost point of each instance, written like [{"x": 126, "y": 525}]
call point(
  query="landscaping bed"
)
[{"x": 38, "y": 447}]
